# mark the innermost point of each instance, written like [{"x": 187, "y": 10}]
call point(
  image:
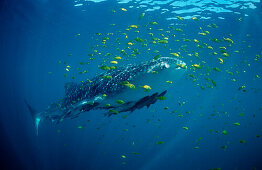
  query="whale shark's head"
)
[
  {"x": 166, "y": 63},
  {"x": 167, "y": 68},
  {"x": 160, "y": 73}
]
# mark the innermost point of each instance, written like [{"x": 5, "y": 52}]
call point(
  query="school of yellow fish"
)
[{"x": 199, "y": 50}]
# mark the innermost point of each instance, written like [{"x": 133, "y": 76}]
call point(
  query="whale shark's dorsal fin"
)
[
  {"x": 69, "y": 86},
  {"x": 36, "y": 116}
]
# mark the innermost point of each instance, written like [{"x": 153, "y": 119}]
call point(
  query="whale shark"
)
[{"x": 123, "y": 89}]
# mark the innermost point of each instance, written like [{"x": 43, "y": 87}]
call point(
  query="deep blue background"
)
[{"x": 34, "y": 35}]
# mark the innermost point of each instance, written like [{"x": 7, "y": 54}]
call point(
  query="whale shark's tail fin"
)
[{"x": 36, "y": 116}]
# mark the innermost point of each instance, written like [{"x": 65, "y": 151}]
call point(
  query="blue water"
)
[{"x": 40, "y": 38}]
